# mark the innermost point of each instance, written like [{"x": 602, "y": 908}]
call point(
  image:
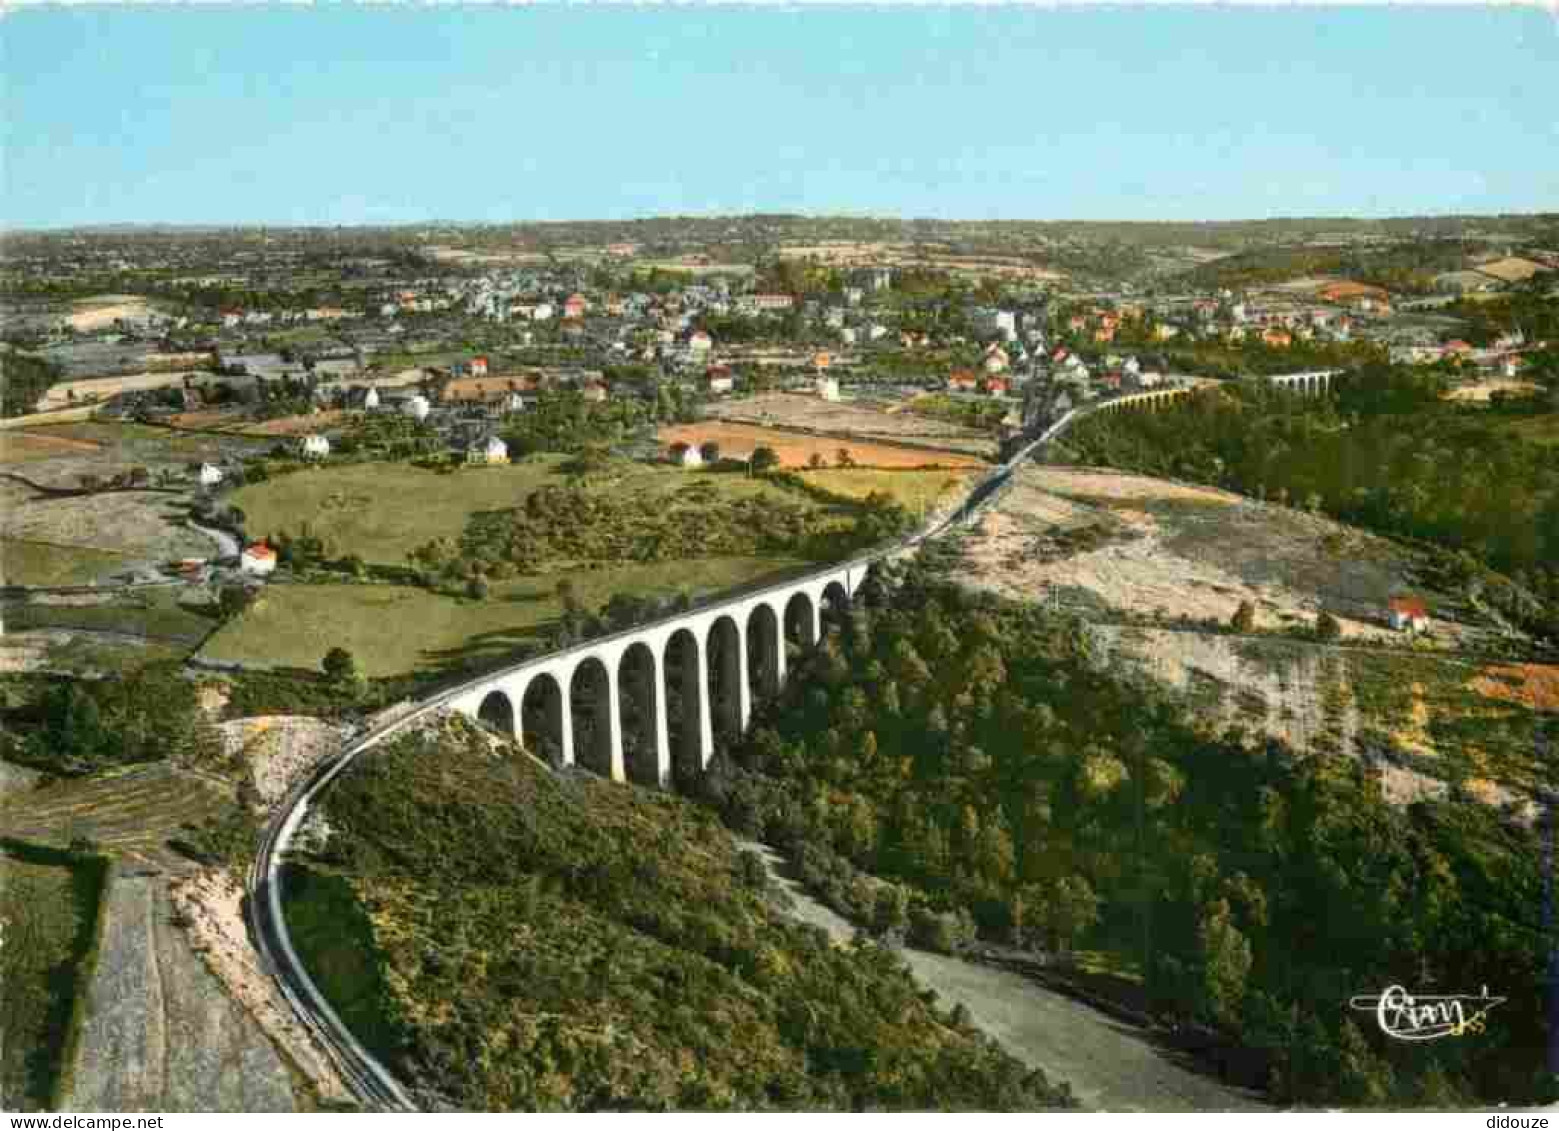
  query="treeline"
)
[
  {"x": 508, "y": 939},
  {"x": 580, "y": 524},
  {"x": 24, "y": 379},
  {"x": 1384, "y": 452},
  {"x": 974, "y": 754},
  {"x": 76, "y": 727}
]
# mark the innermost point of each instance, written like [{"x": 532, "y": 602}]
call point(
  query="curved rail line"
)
[{"x": 372, "y": 1083}]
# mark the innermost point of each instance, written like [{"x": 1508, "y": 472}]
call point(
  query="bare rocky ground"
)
[
  {"x": 1144, "y": 560},
  {"x": 159, "y": 1034},
  {"x": 1185, "y": 551}
]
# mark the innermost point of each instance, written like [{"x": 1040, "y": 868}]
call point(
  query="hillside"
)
[
  {"x": 511, "y": 940},
  {"x": 1011, "y": 783}
]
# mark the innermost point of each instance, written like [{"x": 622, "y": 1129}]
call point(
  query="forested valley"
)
[{"x": 951, "y": 766}]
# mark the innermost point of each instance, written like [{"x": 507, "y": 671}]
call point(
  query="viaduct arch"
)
[{"x": 646, "y": 704}]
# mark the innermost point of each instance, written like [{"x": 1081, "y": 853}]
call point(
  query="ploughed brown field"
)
[{"x": 796, "y": 450}]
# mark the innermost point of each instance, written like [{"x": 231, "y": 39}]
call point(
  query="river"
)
[{"x": 1109, "y": 1064}]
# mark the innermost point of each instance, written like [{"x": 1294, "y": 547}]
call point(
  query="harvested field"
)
[
  {"x": 916, "y": 490},
  {"x": 795, "y": 449},
  {"x": 24, "y": 447},
  {"x": 855, "y": 422},
  {"x": 101, "y": 388},
  {"x": 295, "y": 425},
  {"x": 131, "y": 813}
]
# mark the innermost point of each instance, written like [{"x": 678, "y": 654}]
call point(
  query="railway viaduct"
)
[
  {"x": 1313, "y": 383},
  {"x": 636, "y": 704}
]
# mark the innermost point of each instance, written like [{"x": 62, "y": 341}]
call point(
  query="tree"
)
[
  {"x": 843, "y": 458},
  {"x": 477, "y": 587},
  {"x": 764, "y": 458},
  {"x": 815, "y": 460},
  {"x": 340, "y": 667},
  {"x": 1226, "y": 963},
  {"x": 1244, "y": 619},
  {"x": 1326, "y": 627},
  {"x": 232, "y": 600},
  {"x": 1073, "y": 908}
]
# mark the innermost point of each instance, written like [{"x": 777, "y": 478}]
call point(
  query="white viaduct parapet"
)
[
  {"x": 1152, "y": 399},
  {"x": 747, "y": 635},
  {"x": 1314, "y": 383}
]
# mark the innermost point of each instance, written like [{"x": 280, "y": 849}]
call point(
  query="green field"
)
[
  {"x": 1538, "y": 429},
  {"x": 24, "y": 562},
  {"x": 394, "y": 629},
  {"x": 48, "y": 907},
  {"x": 381, "y": 511},
  {"x": 912, "y": 489},
  {"x": 153, "y": 613}
]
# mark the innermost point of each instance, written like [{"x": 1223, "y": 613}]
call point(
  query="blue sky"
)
[{"x": 347, "y": 115}]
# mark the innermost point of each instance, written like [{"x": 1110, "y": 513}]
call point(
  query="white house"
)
[
  {"x": 417, "y": 408},
  {"x": 689, "y": 456},
  {"x": 258, "y": 559},
  {"x": 314, "y": 446},
  {"x": 828, "y": 388},
  {"x": 1409, "y": 614},
  {"x": 371, "y": 399},
  {"x": 210, "y": 475},
  {"x": 492, "y": 450},
  {"x": 700, "y": 342}
]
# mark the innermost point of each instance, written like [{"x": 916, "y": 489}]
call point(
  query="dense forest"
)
[
  {"x": 974, "y": 754},
  {"x": 23, "y": 381},
  {"x": 511, "y": 939},
  {"x": 1384, "y": 452}
]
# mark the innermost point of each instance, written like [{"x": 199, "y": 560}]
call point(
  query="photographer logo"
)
[{"x": 1426, "y": 1017}]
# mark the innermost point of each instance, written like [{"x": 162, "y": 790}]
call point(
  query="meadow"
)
[
  {"x": 381, "y": 511},
  {"x": 394, "y": 629}
]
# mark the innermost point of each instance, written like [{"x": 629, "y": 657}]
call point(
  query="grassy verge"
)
[{"x": 49, "y": 906}]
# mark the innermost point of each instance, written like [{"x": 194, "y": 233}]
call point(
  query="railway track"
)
[{"x": 371, "y": 1083}]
